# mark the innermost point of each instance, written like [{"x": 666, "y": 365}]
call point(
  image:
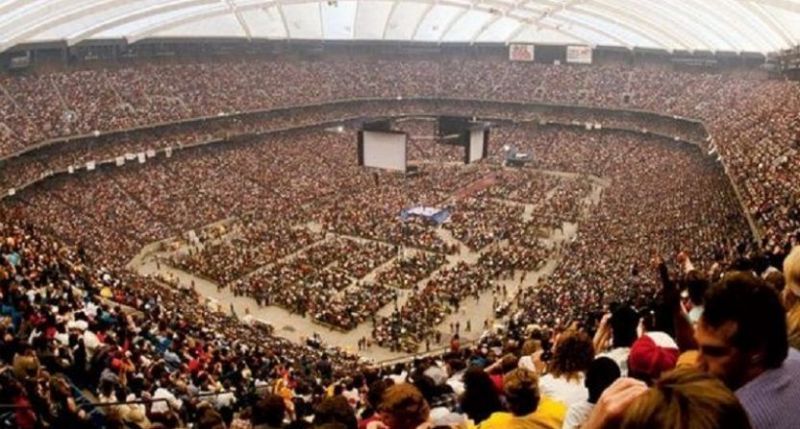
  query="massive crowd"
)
[
  {"x": 156, "y": 356},
  {"x": 280, "y": 197},
  {"x": 323, "y": 282},
  {"x": 42, "y": 106},
  {"x": 72, "y": 315}
]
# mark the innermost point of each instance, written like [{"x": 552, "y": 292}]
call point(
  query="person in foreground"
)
[
  {"x": 529, "y": 410},
  {"x": 681, "y": 399},
  {"x": 742, "y": 340}
]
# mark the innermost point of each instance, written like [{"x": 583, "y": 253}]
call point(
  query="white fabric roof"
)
[{"x": 726, "y": 25}]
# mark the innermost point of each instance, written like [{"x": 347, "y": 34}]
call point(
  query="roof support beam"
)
[
  {"x": 790, "y": 6},
  {"x": 135, "y": 16},
  {"x": 674, "y": 18},
  {"x": 389, "y": 18},
  {"x": 421, "y": 19},
  {"x": 589, "y": 26},
  {"x": 452, "y": 22},
  {"x": 742, "y": 20},
  {"x": 240, "y": 19},
  {"x": 355, "y": 19},
  {"x": 484, "y": 27},
  {"x": 54, "y": 20},
  {"x": 283, "y": 20},
  {"x": 770, "y": 21},
  {"x": 616, "y": 15},
  {"x": 719, "y": 31}
]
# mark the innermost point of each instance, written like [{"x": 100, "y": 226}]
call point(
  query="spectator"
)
[
  {"x": 480, "y": 399},
  {"x": 742, "y": 340},
  {"x": 335, "y": 409},
  {"x": 602, "y": 373},
  {"x": 681, "y": 397},
  {"x": 791, "y": 296},
  {"x": 621, "y": 326},
  {"x": 653, "y": 354},
  {"x": 696, "y": 285},
  {"x": 268, "y": 412},
  {"x": 564, "y": 381},
  {"x": 403, "y": 407},
  {"x": 527, "y": 408}
]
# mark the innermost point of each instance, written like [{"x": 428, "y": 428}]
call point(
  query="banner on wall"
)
[
  {"x": 12, "y": 192},
  {"x": 120, "y": 161},
  {"x": 91, "y": 165},
  {"x": 150, "y": 153},
  {"x": 520, "y": 52},
  {"x": 168, "y": 152},
  {"x": 141, "y": 157},
  {"x": 579, "y": 54}
]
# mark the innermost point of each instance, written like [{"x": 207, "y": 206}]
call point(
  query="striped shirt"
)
[{"x": 772, "y": 400}]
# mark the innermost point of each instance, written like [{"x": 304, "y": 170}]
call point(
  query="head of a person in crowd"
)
[
  {"x": 572, "y": 356},
  {"x": 791, "y": 296},
  {"x": 742, "y": 331},
  {"x": 624, "y": 321},
  {"x": 685, "y": 395},
  {"x": 601, "y": 373},
  {"x": 776, "y": 280},
  {"x": 209, "y": 418},
  {"x": 427, "y": 387},
  {"x": 404, "y": 407},
  {"x": 336, "y": 409},
  {"x": 696, "y": 285},
  {"x": 508, "y": 363},
  {"x": 531, "y": 346},
  {"x": 653, "y": 354},
  {"x": 268, "y": 411},
  {"x": 791, "y": 276},
  {"x": 480, "y": 398},
  {"x": 375, "y": 393},
  {"x": 521, "y": 390}
]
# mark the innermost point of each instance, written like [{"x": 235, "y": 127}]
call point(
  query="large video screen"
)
[
  {"x": 477, "y": 143},
  {"x": 383, "y": 150}
]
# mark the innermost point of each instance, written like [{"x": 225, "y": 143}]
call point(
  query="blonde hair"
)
[
  {"x": 683, "y": 398},
  {"x": 530, "y": 347},
  {"x": 521, "y": 388},
  {"x": 793, "y": 326},
  {"x": 791, "y": 271},
  {"x": 791, "y": 296}
]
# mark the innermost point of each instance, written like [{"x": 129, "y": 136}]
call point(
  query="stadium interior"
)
[{"x": 248, "y": 214}]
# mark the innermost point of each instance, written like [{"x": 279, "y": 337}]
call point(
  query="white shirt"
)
[
  {"x": 577, "y": 414},
  {"x": 161, "y": 406},
  {"x": 526, "y": 362},
  {"x": 559, "y": 389},
  {"x": 620, "y": 356}
]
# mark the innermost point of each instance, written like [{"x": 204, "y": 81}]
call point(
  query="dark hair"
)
[
  {"x": 624, "y": 322},
  {"x": 375, "y": 392},
  {"x": 480, "y": 399},
  {"x": 269, "y": 410},
  {"x": 757, "y": 310},
  {"x": 336, "y": 409},
  {"x": 601, "y": 373},
  {"x": 696, "y": 284}
]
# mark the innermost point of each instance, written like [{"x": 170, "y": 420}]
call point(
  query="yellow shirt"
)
[{"x": 549, "y": 415}]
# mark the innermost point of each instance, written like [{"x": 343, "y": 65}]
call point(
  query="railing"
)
[{"x": 333, "y": 103}]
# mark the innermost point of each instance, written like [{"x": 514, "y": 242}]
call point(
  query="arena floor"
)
[{"x": 297, "y": 328}]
